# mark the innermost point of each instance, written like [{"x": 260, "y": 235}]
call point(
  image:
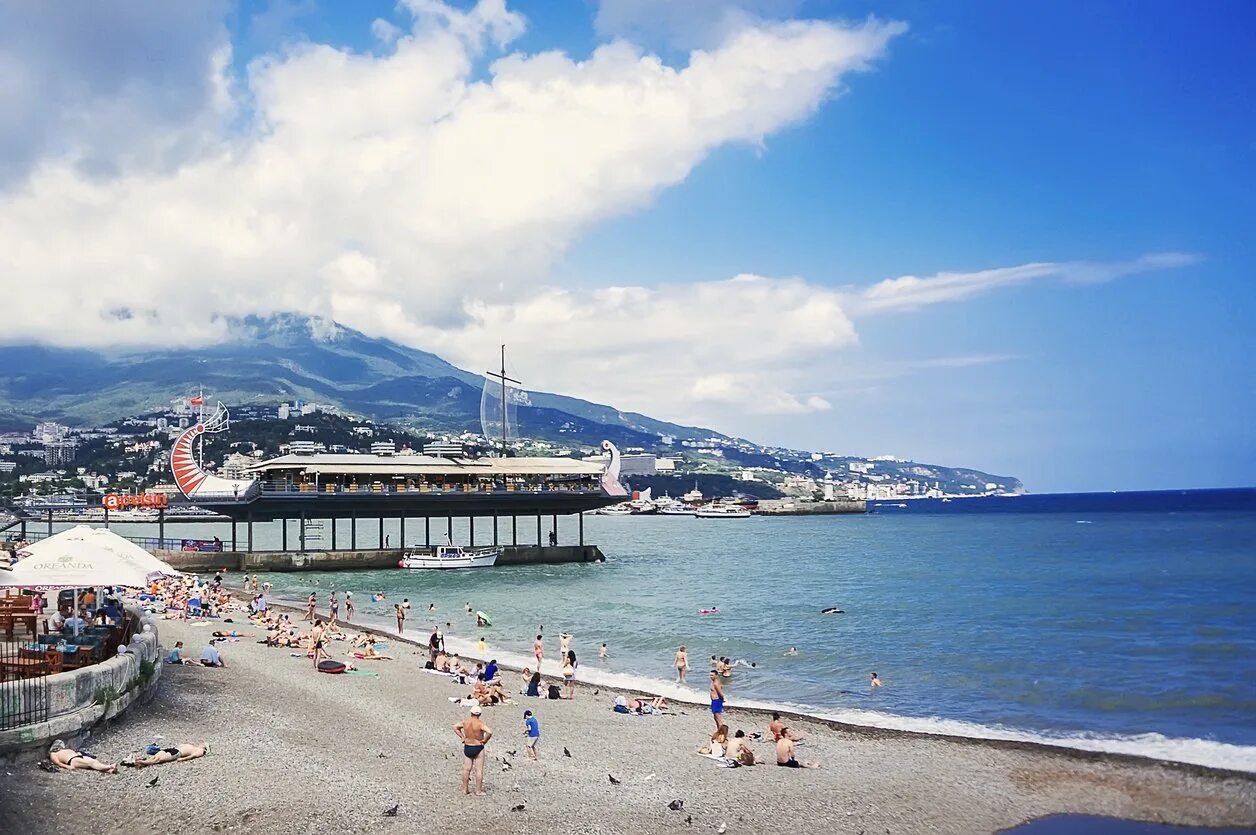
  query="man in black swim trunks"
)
[{"x": 474, "y": 735}]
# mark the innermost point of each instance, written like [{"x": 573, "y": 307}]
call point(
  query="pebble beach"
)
[{"x": 293, "y": 750}]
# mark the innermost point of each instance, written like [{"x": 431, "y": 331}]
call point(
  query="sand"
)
[{"x": 295, "y": 751}]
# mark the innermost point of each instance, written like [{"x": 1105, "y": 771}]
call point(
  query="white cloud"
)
[
  {"x": 910, "y": 292},
  {"x": 394, "y": 193},
  {"x": 686, "y": 23}
]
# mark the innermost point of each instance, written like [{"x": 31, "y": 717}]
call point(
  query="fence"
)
[{"x": 24, "y": 682}]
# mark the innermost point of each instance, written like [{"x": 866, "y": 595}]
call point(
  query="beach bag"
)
[
  {"x": 554, "y": 692},
  {"x": 330, "y": 666}
]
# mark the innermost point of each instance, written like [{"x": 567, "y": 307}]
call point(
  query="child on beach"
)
[{"x": 531, "y": 733}]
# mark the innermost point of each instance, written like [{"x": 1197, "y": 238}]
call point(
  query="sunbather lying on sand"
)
[
  {"x": 178, "y": 753},
  {"x": 72, "y": 760}
]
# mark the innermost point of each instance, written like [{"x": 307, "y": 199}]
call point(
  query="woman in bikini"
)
[
  {"x": 682, "y": 664},
  {"x": 309, "y": 607}
]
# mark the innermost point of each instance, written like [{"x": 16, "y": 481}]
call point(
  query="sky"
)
[{"x": 1010, "y": 236}]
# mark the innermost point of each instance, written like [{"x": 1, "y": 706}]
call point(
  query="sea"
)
[{"x": 1109, "y": 622}]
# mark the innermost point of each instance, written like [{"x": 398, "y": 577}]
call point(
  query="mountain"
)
[{"x": 286, "y": 357}]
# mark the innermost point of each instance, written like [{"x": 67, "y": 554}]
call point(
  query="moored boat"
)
[
  {"x": 450, "y": 556},
  {"x": 716, "y": 510}
]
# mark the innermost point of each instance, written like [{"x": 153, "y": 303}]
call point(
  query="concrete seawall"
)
[
  {"x": 250, "y": 561},
  {"x": 793, "y": 507},
  {"x": 78, "y": 700}
]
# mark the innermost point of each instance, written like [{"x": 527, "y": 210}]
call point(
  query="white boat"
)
[
  {"x": 615, "y": 510},
  {"x": 451, "y": 556},
  {"x": 677, "y": 510},
  {"x": 722, "y": 511}
]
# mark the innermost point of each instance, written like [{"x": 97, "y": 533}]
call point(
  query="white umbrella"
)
[{"x": 65, "y": 559}]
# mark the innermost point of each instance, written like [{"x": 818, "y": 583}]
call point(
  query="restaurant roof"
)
[{"x": 402, "y": 465}]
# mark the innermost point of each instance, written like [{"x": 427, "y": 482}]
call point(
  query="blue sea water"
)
[{"x": 1100, "y": 624}]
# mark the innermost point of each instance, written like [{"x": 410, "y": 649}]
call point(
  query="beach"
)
[{"x": 293, "y": 750}]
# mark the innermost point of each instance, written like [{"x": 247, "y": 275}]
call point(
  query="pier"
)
[{"x": 379, "y": 558}]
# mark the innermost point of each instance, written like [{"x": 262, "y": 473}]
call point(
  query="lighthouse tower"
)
[{"x": 828, "y": 487}]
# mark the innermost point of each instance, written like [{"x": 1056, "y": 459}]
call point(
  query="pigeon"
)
[
  {"x": 505, "y": 766},
  {"x": 382, "y": 755},
  {"x": 153, "y": 782},
  {"x": 689, "y": 819},
  {"x": 676, "y": 805},
  {"x": 611, "y": 777},
  {"x": 596, "y": 691},
  {"x": 566, "y": 753},
  {"x": 518, "y": 808},
  {"x": 47, "y": 766},
  {"x": 512, "y": 753},
  {"x": 392, "y": 813}
]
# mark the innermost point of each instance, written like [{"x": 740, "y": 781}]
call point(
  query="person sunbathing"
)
[
  {"x": 178, "y": 753},
  {"x": 71, "y": 760}
]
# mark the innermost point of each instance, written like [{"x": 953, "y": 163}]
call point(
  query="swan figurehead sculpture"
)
[{"x": 610, "y": 478}]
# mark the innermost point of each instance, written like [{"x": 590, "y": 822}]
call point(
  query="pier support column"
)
[
  {"x": 580, "y": 518},
  {"x": 283, "y": 537},
  {"x": 234, "y": 545},
  {"x": 302, "y": 529},
  {"x": 50, "y": 521},
  {"x": 402, "y": 543},
  {"x": 494, "y": 527},
  {"x": 24, "y": 525},
  {"x": 471, "y": 529},
  {"x": 554, "y": 530},
  {"x": 514, "y": 530},
  {"x": 381, "y": 531},
  {"x": 427, "y": 532},
  {"x": 106, "y": 524},
  {"x": 538, "y": 527},
  {"x": 449, "y": 529},
  {"x": 333, "y": 533},
  {"x": 161, "y": 528},
  {"x": 250, "y": 531},
  {"x": 353, "y": 533}
]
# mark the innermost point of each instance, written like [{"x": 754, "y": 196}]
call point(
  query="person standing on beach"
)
[
  {"x": 309, "y": 607},
  {"x": 433, "y": 644},
  {"x": 474, "y": 735},
  {"x": 538, "y": 649},
  {"x": 569, "y": 674},
  {"x": 482, "y": 645},
  {"x": 348, "y": 606},
  {"x": 531, "y": 733},
  {"x": 317, "y": 642},
  {"x": 401, "y": 618},
  {"x": 564, "y": 644},
  {"x": 334, "y": 606},
  {"x": 717, "y": 699},
  {"x": 682, "y": 664}
]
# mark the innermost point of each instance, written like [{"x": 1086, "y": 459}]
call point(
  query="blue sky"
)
[{"x": 988, "y": 135}]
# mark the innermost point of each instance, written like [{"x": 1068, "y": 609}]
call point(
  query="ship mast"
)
[{"x": 504, "y": 379}]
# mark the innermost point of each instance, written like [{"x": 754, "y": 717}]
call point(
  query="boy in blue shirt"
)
[{"x": 531, "y": 733}]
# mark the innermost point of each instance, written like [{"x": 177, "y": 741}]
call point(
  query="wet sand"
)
[{"x": 294, "y": 750}]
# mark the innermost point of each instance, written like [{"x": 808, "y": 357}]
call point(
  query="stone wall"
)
[{"x": 79, "y": 699}]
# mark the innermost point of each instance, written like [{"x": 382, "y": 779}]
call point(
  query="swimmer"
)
[
  {"x": 874, "y": 680},
  {"x": 603, "y": 652},
  {"x": 741, "y": 662},
  {"x": 832, "y": 610},
  {"x": 431, "y": 607},
  {"x": 405, "y": 603},
  {"x": 791, "y": 651},
  {"x": 377, "y": 596}
]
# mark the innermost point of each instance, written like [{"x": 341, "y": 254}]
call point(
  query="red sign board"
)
[{"x": 118, "y": 501}]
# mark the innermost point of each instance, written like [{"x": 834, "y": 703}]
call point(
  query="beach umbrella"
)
[{"x": 83, "y": 546}]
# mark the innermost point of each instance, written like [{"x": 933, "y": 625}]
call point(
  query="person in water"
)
[
  {"x": 474, "y": 735},
  {"x": 874, "y": 680},
  {"x": 791, "y": 651},
  {"x": 602, "y": 653},
  {"x": 682, "y": 664}
]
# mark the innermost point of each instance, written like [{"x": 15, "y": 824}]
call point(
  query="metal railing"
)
[{"x": 24, "y": 673}]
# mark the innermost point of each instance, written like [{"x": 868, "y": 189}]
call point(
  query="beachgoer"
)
[
  {"x": 778, "y": 729},
  {"x": 211, "y": 658},
  {"x": 531, "y": 733},
  {"x": 377, "y": 597},
  {"x": 739, "y": 751},
  {"x": 717, "y": 699},
  {"x": 433, "y": 645},
  {"x": 309, "y": 607},
  {"x": 569, "y": 674},
  {"x": 490, "y": 671},
  {"x": 405, "y": 603},
  {"x": 348, "y": 606},
  {"x": 785, "y": 753},
  {"x": 318, "y": 642},
  {"x": 538, "y": 650},
  {"x": 474, "y": 735},
  {"x": 564, "y": 644},
  {"x": 482, "y": 645},
  {"x": 602, "y": 653},
  {"x": 534, "y": 685},
  {"x": 176, "y": 753},
  {"x": 176, "y": 654},
  {"x": 401, "y": 618},
  {"x": 70, "y": 760},
  {"x": 791, "y": 651},
  {"x": 431, "y": 607},
  {"x": 682, "y": 664},
  {"x": 334, "y": 606}
]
